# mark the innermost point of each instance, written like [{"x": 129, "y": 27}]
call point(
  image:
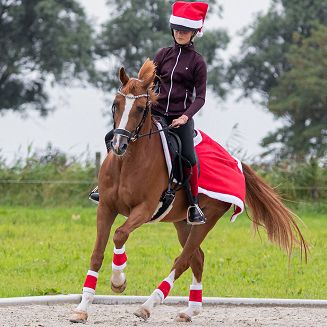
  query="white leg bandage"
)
[{"x": 88, "y": 290}]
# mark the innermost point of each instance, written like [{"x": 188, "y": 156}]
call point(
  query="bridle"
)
[{"x": 135, "y": 134}]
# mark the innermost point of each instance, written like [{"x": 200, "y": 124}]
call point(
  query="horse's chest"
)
[
  {"x": 125, "y": 197},
  {"x": 132, "y": 187},
  {"x": 131, "y": 193}
]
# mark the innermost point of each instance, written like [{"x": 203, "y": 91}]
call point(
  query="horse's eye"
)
[{"x": 140, "y": 109}]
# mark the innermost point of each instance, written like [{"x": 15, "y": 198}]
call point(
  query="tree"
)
[
  {"x": 268, "y": 65},
  {"x": 300, "y": 97},
  {"x": 137, "y": 29},
  {"x": 263, "y": 56},
  {"x": 41, "y": 39}
]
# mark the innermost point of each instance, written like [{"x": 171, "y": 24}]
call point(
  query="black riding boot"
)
[
  {"x": 195, "y": 215},
  {"x": 94, "y": 194}
]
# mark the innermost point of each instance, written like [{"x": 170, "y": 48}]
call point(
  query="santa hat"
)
[{"x": 188, "y": 16}]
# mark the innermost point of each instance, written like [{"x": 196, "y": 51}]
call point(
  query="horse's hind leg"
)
[
  {"x": 196, "y": 263},
  {"x": 105, "y": 219},
  {"x": 162, "y": 291},
  {"x": 182, "y": 263}
]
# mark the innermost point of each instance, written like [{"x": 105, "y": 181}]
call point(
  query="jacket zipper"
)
[
  {"x": 185, "y": 99},
  {"x": 171, "y": 80}
]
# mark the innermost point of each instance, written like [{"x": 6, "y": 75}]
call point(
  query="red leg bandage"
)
[
  {"x": 90, "y": 282},
  {"x": 164, "y": 287},
  {"x": 195, "y": 293},
  {"x": 119, "y": 260}
]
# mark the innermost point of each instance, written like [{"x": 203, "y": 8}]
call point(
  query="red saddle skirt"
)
[{"x": 221, "y": 175}]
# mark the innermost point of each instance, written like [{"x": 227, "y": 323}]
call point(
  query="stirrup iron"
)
[
  {"x": 94, "y": 195},
  {"x": 195, "y": 216}
]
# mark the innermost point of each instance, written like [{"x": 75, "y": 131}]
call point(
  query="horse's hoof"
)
[
  {"x": 78, "y": 317},
  {"x": 142, "y": 313},
  {"x": 183, "y": 317},
  {"x": 118, "y": 289}
]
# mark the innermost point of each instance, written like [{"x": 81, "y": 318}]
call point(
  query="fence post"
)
[{"x": 97, "y": 163}]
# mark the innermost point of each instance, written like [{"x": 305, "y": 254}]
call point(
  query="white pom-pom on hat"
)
[{"x": 199, "y": 33}]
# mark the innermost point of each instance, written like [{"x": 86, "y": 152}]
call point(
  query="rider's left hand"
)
[{"x": 179, "y": 121}]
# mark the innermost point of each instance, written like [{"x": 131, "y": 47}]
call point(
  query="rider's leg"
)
[
  {"x": 195, "y": 215},
  {"x": 94, "y": 194}
]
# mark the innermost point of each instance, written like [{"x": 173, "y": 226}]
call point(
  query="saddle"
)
[
  {"x": 175, "y": 150},
  {"x": 177, "y": 178}
]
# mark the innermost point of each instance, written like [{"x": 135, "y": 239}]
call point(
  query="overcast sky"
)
[{"x": 79, "y": 123}]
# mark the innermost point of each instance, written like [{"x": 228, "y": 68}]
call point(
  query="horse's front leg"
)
[
  {"x": 118, "y": 281},
  {"x": 138, "y": 216},
  {"x": 105, "y": 219}
]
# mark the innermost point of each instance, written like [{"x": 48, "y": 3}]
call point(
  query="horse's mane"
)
[
  {"x": 147, "y": 70},
  {"x": 145, "y": 80},
  {"x": 148, "y": 73}
]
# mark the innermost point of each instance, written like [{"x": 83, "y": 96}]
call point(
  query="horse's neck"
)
[
  {"x": 143, "y": 162},
  {"x": 140, "y": 150}
]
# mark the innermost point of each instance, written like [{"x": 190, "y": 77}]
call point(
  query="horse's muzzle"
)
[{"x": 119, "y": 144}]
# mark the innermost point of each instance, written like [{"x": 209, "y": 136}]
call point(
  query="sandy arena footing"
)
[{"x": 164, "y": 315}]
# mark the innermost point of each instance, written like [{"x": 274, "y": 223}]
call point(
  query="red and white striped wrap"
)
[
  {"x": 164, "y": 288},
  {"x": 195, "y": 297},
  {"x": 90, "y": 282},
  {"x": 119, "y": 260}
]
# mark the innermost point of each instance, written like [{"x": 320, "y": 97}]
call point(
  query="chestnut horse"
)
[{"x": 131, "y": 180}]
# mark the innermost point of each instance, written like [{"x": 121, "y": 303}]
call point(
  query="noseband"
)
[{"x": 134, "y": 135}]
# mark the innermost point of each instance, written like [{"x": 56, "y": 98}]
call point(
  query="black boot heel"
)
[{"x": 94, "y": 195}]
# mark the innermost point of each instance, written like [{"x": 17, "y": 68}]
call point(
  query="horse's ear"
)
[
  {"x": 147, "y": 73},
  {"x": 123, "y": 76}
]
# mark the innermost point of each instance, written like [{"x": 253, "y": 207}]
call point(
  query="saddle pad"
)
[{"x": 221, "y": 175}]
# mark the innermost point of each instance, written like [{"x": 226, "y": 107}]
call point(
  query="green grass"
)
[{"x": 47, "y": 251}]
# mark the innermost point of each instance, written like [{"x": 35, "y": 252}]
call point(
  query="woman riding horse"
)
[
  {"x": 180, "y": 70},
  {"x": 132, "y": 179}
]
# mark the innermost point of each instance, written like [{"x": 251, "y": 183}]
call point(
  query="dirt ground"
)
[{"x": 122, "y": 315}]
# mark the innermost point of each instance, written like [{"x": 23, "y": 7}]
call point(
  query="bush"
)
[
  {"x": 52, "y": 178},
  {"x": 47, "y": 178},
  {"x": 297, "y": 181}
]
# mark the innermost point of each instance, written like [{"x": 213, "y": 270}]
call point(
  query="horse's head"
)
[{"x": 131, "y": 106}]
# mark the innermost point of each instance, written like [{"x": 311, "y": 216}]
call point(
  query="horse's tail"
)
[{"x": 268, "y": 210}]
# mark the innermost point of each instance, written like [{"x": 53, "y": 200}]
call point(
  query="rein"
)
[{"x": 155, "y": 132}]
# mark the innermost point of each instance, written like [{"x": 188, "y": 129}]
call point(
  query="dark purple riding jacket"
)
[{"x": 180, "y": 71}]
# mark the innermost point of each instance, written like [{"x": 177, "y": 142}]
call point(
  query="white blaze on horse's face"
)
[
  {"x": 128, "y": 107},
  {"x": 120, "y": 142}
]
